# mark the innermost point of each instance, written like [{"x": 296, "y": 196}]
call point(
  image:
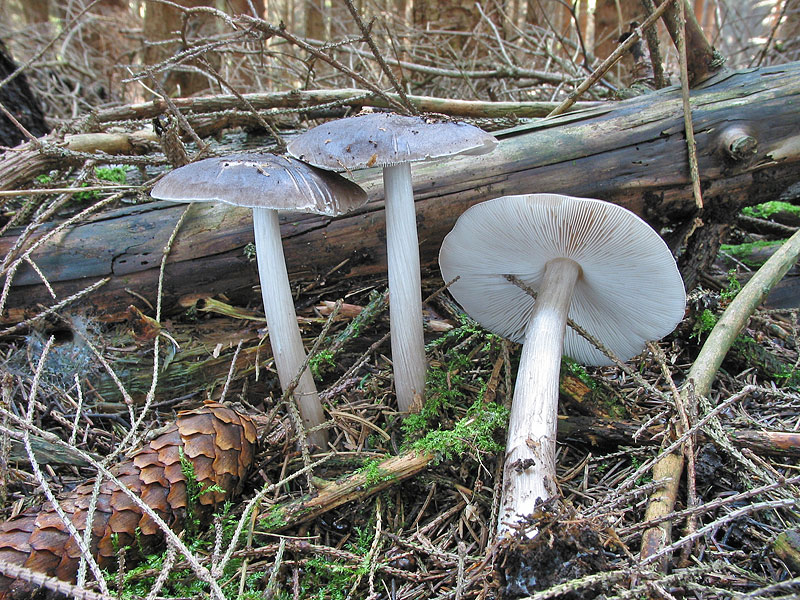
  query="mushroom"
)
[
  {"x": 393, "y": 142},
  {"x": 593, "y": 262},
  {"x": 268, "y": 183}
]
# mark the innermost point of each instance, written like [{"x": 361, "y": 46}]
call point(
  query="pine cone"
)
[{"x": 218, "y": 442}]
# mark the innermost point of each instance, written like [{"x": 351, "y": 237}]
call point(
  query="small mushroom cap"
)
[
  {"x": 629, "y": 290},
  {"x": 381, "y": 139},
  {"x": 261, "y": 181}
]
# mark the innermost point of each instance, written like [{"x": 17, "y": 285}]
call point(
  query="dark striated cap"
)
[
  {"x": 261, "y": 181},
  {"x": 381, "y": 139}
]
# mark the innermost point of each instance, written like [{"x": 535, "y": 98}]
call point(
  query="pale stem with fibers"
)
[
  {"x": 529, "y": 472},
  {"x": 405, "y": 287},
  {"x": 284, "y": 333}
]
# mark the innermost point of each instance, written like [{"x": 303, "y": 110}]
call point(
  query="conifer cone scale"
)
[{"x": 216, "y": 441}]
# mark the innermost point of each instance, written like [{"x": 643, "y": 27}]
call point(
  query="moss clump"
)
[
  {"x": 373, "y": 473},
  {"x": 748, "y": 253},
  {"x": 767, "y": 209},
  {"x": 476, "y": 432},
  {"x": 110, "y": 174}
]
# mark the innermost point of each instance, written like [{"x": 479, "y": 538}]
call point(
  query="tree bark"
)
[
  {"x": 160, "y": 21},
  {"x": 631, "y": 153}
]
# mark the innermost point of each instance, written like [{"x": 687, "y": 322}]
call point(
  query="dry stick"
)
[
  {"x": 31, "y": 138},
  {"x": 185, "y": 125},
  {"x": 634, "y": 37},
  {"x": 309, "y": 100},
  {"x": 680, "y": 42},
  {"x": 288, "y": 393},
  {"x": 51, "y": 583},
  {"x": 715, "y": 504},
  {"x": 704, "y": 369},
  {"x": 367, "y": 34},
  {"x": 631, "y": 479},
  {"x": 651, "y": 36},
  {"x": 688, "y": 449}
]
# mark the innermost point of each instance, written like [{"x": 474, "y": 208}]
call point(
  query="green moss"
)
[
  {"x": 194, "y": 489},
  {"x": 767, "y": 209},
  {"x": 704, "y": 323},
  {"x": 578, "y": 371},
  {"x": 476, "y": 432},
  {"x": 744, "y": 252},
  {"x": 274, "y": 519},
  {"x": 110, "y": 174},
  {"x": 322, "y": 362},
  {"x": 374, "y": 474}
]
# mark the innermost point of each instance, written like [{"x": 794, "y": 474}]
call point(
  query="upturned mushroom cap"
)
[
  {"x": 261, "y": 181},
  {"x": 629, "y": 290},
  {"x": 381, "y": 139}
]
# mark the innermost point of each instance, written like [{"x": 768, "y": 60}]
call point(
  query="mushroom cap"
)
[
  {"x": 261, "y": 181},
  {"x": 629, "y": 290},
  {"x": 382, "y": 139}
]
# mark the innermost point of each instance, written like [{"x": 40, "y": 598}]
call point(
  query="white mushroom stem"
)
[
  {"x": 529, "y": 473},
  {"x": 405, "y": 288},
  {"x": 284, "y": 334}
]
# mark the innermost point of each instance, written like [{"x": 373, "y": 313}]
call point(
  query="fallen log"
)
[{"x": 632, "y": 153}]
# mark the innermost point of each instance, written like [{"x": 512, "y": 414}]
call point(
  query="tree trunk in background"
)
[
  {"x": 17, "y": 97},
  {"x": 342, "y": 24},
  {"x": 447, "y": 15},
  {"x": 612, "y": 19},
  {"x": 36, "y": 11},
  {"x": 106, "y": 45},
  {"x": 239, "y": 7},
  {"x": 160, "y": 21},
  {"x": 315, "y": 20},
  {"x": 789, "y": 30},
  {"x": 548, "y": 14}
]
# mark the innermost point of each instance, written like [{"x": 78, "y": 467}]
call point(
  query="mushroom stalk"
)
[
  {"x": 529, "y": 473},
  {"x": 405, "y": 293},
  {"x": 284, "y": 334}
]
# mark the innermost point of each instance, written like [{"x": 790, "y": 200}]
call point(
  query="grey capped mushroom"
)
[
  {"x": 393, "y": 142},
  {"x": 592, "y": 261},
  {"x": 268, "y": 183}
]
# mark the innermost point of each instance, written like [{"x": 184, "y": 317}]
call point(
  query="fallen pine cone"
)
[{"x": 216, "y": 441}]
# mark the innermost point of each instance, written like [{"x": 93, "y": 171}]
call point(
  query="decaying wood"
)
[
  {"x": 632, "y": 153},
  {"x": 217, "y": 442},
  {"x": 355, "y": 486},
  {"x": 20, "y": 165}
]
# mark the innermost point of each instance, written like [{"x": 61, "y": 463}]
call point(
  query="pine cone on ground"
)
[{"x": 217, "y": 441}]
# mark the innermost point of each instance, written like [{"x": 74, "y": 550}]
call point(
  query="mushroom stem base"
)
[
  {"x": 529, "y": 473},
  {"x": 284, "y": 334}
]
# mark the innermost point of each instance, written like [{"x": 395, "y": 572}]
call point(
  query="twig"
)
[
  {"x": 651, "y": 36},
  {"x": 367, "y": 35},
  {"x": 51, "y": 583},
  {"x": 634, "y": 37},
  {"x": 691, "y": 145}
]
